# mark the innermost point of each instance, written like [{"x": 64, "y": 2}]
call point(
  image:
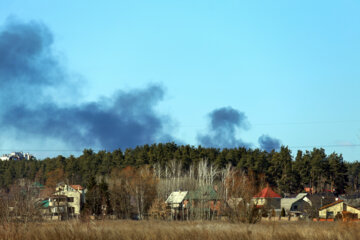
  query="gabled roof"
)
[
  {"x": 353, "y": 200},
  {"x": 321, "y": 199},
  {"x": 176, "y": 197},
  {"x": 203, "y": 193},
  {"x": 331, "y": 204},
  {"x": 286, "y": 203},
  {"x": 267, "y": 193}
]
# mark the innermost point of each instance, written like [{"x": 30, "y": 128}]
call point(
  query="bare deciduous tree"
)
[{"x": 241, "y": 189}]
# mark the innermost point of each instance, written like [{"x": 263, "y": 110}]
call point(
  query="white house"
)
[{"x": 67, "y": 199}]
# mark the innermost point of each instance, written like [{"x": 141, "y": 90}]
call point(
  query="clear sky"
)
[{"x": 292, "y": 67}]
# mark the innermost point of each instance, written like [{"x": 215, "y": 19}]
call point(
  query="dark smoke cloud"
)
[
  {"x": 29, "y": 70},
  {"x": 224, "y": 122},
  {"x": 268, "y": 143}
]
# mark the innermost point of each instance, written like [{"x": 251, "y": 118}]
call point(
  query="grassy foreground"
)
[{"x": 179, "y": 230}]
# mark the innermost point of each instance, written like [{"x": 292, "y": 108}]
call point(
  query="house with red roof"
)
[
  {"x": 267, "y": 197},
  {"x": 67, "y": 200}
]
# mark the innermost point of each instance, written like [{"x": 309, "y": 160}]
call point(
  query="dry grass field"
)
[{"x": 179, "y": 230}]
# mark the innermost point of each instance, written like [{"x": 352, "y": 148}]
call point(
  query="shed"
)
[{"x": 176, "y": 198}]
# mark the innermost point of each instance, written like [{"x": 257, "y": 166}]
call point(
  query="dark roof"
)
[
  {"x": 351, "y": 199},
  {"x": 320, "y": 199},
  {"x": 350, "y": 196}
]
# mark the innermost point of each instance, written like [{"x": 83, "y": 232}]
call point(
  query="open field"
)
[{"x": 178, "y": 230}]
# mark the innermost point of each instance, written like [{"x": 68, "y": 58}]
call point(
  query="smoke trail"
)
[
  {"x": 268, "y": 143},
  {"x": 30, "y": 72},
  {"x": 222, "y": 130}
]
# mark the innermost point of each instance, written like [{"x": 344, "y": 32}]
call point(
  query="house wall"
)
[
  {"x": 70, "y": 192},
  {"x": 299, "y": 205},
  {"x": 274, "y": 203},
  {"x": 337, "y": 208},
  {"x": 259, "y": 201},
  {"x": 353, "y": 210}
]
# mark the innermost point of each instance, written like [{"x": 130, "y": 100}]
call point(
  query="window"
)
[
  {"x": 71, "y": 210},
  {"x": 70, "y": 199},
  {"x": 329, "y": 214}
]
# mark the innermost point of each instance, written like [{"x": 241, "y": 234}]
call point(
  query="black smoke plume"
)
[
  {"x": 30, "y": 72},
  {"x": 268, "y": 143},
  {"x": 224, "y": 122}
]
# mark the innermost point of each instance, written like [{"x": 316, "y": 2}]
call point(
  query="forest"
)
[
  {"x": 283, "y": 172},
  {"x": 139, "y": 180}
]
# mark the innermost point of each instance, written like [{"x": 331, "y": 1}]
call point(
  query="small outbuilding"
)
[
  {"x": 177, "y": 203},
  {"x": 176, "y": 199}
]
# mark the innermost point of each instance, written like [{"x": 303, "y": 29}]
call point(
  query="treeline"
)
[{"x": 314, "y": 169}]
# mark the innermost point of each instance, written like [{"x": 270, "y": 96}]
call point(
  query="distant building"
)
[
  {"x": 67, "y": 200},
  {"x": 204, "y": 202},
  {"x": 267, "y": 197},
  {"x": 338, "y": 209},
  {"x": 319, "y": 200},
  {"x": 296, "y": 205},
  {"x": 16, "y": 156},
  {"x": 176, "y": 200},
  {"x": 176, "y": 203}
]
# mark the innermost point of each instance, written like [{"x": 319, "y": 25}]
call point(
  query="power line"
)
[
  {"x": 328, "y": 146},
  {"x": 284, "y": 123},
  {"x": 52, "y": 150},
  {"x": 307, "y": 123},
  {"x": 97, "y": 149}
]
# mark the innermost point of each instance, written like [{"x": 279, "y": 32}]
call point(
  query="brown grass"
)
[{"x": 179, "y": 230}]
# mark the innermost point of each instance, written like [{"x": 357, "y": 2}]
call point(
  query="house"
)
[
  {"x": 267, "y": 197},
  {"x": 203, "y": 202},
  {"x": 319, "y": 200},
  {"x": 295, "y": 205},
  {"x": 338, "y": 209},
  {"x": 176, "y": 202},
  {"x": 67, "y": 199}
]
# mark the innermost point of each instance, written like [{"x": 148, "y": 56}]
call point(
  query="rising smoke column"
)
[
  {"x": 224, "y": 122},
  {"x": 268, "y": 143},
  {"x": 30, "y": 72}
]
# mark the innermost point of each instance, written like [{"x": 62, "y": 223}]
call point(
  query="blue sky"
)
[{"x": 291, "y": 67}]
